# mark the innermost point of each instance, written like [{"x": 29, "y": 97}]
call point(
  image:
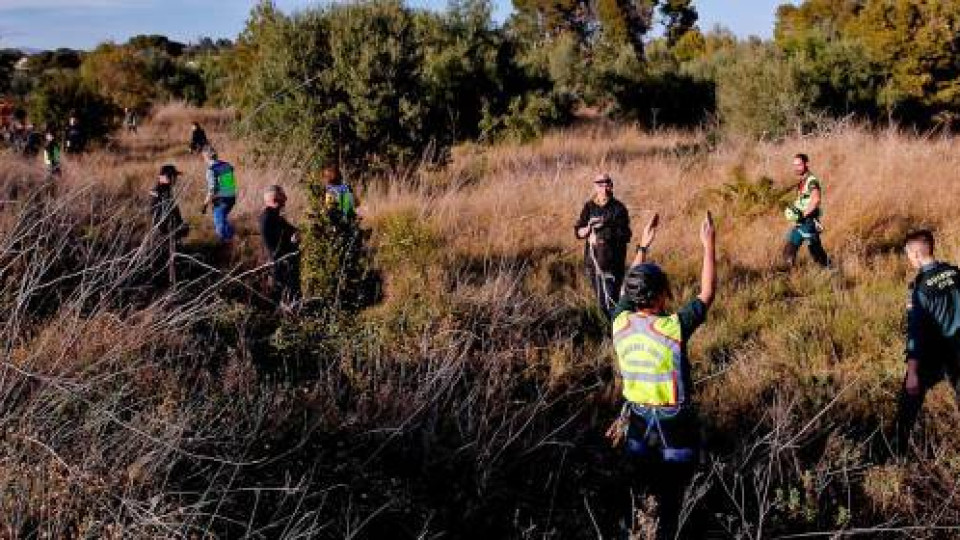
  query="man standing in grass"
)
[
  {"x": 659, "y": 421},
  {"x": 74, "y": 137},
  {"x": 168, "y": 224},
  {"x": 933, "y": 331},
  {"x": 51, "y": 156},
  {"x": 605, "y": 225},
  {"x": 339, "y": 200},
  {"x": 221, "y": 193},
  {"x": 130, "y": 120},
  {"x": 280, "y": 241},
  {"x": 198, "y": 138},
  {"x": 805, "y": 213}
]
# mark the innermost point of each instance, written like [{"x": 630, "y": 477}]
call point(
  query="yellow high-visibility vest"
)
[
  {"x": 649, "y": 356},
  {"x": 805, "y": 193}
]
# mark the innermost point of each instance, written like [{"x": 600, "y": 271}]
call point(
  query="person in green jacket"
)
[{"x": 51, "y": 156}]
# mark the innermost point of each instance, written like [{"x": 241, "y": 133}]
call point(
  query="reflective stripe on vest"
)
[
  {"x": 226, "y": 180},
  {"x": 805, "y": 193},
  {"x": 648, "y": 354}
]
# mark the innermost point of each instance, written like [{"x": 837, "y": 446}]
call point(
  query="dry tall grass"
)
[{"x": 470, "y": 402}]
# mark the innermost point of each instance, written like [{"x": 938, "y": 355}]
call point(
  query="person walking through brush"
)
[
  {"x": 605, "y": 225},
  {"x": 130, "y": 120},
  {"x": 169, "y": 228},
  {"x": 198, "y": 138},
  {"x": 281, "y": 242},
  {"x": 933, "y": 332},
  {"x": 164, "y": 211},
  {"x": 74, "y": 137},
  {"x": 340, "y": 201},
  {"x": 659, "y": 422},
  {"x": 805, "y": 214},
  {"x": 51, "y": 156},
  {"x": 221, "y": 193}
]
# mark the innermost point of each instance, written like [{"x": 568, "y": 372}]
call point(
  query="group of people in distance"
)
[
  {"x": 280, "y": 239},
  {"x": 658, "y": 426}
]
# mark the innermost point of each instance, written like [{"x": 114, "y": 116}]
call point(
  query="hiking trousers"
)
[
  {"x": 909, "y": 406},
  {"x": 221, "y": 213},
  {"x": 805, "y": 231}
]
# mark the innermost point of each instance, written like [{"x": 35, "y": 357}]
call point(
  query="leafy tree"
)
[
  {"x": 120, "y": 74},
  {"x": 916, "y": 41},
  {"x": 680, "y": 18},
  {"x": 62, "y": 93},
  {"x": 897, "y": 56},
  {"x": 8, "y": 58},
  {"x": 764, "y": 93},
  {"x": 158, "y": 43}
]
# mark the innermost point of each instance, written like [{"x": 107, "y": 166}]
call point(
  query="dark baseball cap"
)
[
  {"x": 603, "y": 179},
  {"x": 169, "y": 171}
]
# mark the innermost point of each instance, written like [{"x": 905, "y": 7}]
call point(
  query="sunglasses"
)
[{"x": 603, "y": 183}]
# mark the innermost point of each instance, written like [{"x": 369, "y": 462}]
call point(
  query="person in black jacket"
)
[
  {"x": 198, "y": 138},
  {"x": 281, "y": 242},
  {"x": 74, "y": 138},
  {"x": 605, "y": 225},
  {"x": 169, "y": 228},
  {"x": 933, "y": 332},
  {"x": 165, "y": 213}
]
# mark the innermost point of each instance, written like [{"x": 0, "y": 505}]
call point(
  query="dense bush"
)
[
  {"x": 60, "y": 94},
  {"x": 897, "y": 57},
  {"x": 764, "y": 93},
  {"x": 373, "y": 85}
]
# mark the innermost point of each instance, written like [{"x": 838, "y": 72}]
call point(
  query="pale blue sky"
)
[{"x": 84, "y": 23}]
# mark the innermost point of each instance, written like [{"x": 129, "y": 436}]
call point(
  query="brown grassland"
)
[{"x": 470, "y": 401}]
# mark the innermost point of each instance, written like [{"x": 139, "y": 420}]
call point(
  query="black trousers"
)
[
  {"x": 285, "y": 282},
  {"x": 605, "y": 269},
  {"x": 909, "y": 406},
  {"x": 666, "y": 481}
]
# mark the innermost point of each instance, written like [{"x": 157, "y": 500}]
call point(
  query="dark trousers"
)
[
  {"x": 909, "y": 406},
  {"x": 285, "y": 282},
  {"x": 605, "y": 271},
  {"x": 805, "y": 231},
  {"x": 665, "y": 480}
]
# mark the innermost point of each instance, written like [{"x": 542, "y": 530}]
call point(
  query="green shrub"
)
[
  {"x": 61, "y": 93},
  {"x": 374, "y": 85},
  {"x": 763, "y": 93}
]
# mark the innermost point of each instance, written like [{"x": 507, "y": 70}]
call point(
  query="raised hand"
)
[
  {"x": 650, "y": 231},
  {"x": 708, "y": 234}
]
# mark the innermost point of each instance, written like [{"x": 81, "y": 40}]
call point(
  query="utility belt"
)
[
  {"x": 669, "y": 435},
  {"x": 809, "y": 225}
]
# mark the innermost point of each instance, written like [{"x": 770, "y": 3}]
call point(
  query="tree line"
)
[{"x": 378, "y": 85}]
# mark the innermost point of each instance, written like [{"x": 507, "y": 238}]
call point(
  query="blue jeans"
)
[
  {"x": 221, "y": 210},
  {"x": 806, "y": 231}
]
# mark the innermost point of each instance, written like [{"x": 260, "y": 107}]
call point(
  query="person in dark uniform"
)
[
  {"x": 281, "y": 242},
  {"x": 169, "y": 228},
  {"x": 74, "y": 138},
  {"x": 605, "y": 225},
  {"x": 164, "y": 211},
  {"x": 933, "y": 332},
  {"x": 198, "y": 138}
]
